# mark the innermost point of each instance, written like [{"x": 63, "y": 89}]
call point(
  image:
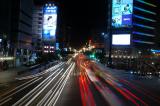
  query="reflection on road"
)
[{"x": 89, "y": 84}]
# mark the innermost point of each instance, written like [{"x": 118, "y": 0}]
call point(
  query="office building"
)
[
  {"x": 44, "y": 27},
  {"x": 16, "y": 30},
  {"x": 37, "y": 27},
  {"x": 132, "y": 28}
]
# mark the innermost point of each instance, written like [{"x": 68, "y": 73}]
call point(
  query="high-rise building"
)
[
  {"x": 21, "y": 30},
  {"x": 144, "y": 29},
  {"x": 49, "y": 27},
  {"x": 5, "y": 22},
  {"x": 16, "y": 29},
  {"x": 132, "y": 28},
  {"x": 37, "y": 28},
  {"x": 44, "y": 26}
]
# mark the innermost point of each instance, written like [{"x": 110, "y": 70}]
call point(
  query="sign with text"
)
[
  {"x": 122, "y": 11},
  {"x": 49, "y": 23}
]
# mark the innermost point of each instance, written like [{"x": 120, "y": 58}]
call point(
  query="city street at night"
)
[
  {"x": 80, "y": 53},
  {"x": 81, "y": 81}
]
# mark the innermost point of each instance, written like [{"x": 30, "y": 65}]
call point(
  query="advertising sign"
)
[
  {"x": 122, "y": 11},
  {"x": 121, "y": 39},
  {"x": 49, "y": 23},
  {"x": 57, "y": 46}
]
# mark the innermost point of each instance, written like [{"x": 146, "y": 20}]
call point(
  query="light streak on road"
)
[
  {"x": 103, "y": 88},
  {"x": 107, "y": 94},
  {"x": 69, "y": 61},
  {"x": 5, "y": 101},
  {"x": 35, "y": 90},
  {"x": 29, "y": 83},
  {"x": 41, "y": 73},
  {"x": 47, "y": 84},
  {"x": 141, "y": 90},
  {"x": 13, "y": 90},
  {"x": 51, "y": 93},
  {"x": 59, "y": 92},
  {"x": 114, "y": 82},
  {"x": 86, "y": 94},
  {"x": 52, "y": 96}
]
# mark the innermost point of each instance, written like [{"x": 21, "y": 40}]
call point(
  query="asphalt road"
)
[
  {"x": 117, "y": 87},
  {"x": 44, "y": 88},
  {"x": 82, "y": 82}
]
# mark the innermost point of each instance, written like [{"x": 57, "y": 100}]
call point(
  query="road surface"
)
[{"x": 82, "y": 82}]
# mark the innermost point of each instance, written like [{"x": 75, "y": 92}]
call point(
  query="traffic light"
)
[{"x": 92, "y": 56}]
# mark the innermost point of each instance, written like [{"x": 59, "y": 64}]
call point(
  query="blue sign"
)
[
  {"x": 49, "y": 23},
  {"x": 57, "y": 46},
  {"x": 122, "y": 11},
  {"x": 155, "y": 51}
]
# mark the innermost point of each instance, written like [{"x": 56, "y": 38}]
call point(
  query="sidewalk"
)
[
  {"x": 10, "y": 74},
  {"x": 103, "y": 67}
]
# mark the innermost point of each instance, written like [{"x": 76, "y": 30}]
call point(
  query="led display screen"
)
[
  {"x": 121, "y": 39},
  {"x": 122, "y": 13},
  {"x": 57, "y": 46},
  {"x": 49, "y": 23}
]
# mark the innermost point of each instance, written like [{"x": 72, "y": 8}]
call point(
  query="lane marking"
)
[
  {"x": 21, "y": 89},
  {"x": 5, "y": 101},
  {"x": 55, "y": 98},
  {"x": 27, "y": 104},
  {"x": 41, "y": 73},
  {"x": 30, "y": 93},
  {"x": 50, "y": 92},
  {"x": 53, "y": 92},
  {"x": 18, "y": 87}
]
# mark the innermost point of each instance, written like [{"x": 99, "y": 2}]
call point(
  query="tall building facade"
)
[
  {"x": 44, "y": 27},
  {"x": 132, "y": 28},
  {"x": 145, "y": 24},
  {"x": 37, "y": 27},
  {"x": 5, "y": 10},
  {"x": 16, "y": 30},
  {"x": 21, "y": 30}
]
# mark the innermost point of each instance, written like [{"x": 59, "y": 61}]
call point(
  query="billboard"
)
[
  {"x": 49, "y": 23},
  {"x": 121, "y": 39},
  {"x": 122, "y": 11}
]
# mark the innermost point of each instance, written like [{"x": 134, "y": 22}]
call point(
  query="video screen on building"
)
[
  {"x": 122, "y": 13},
  {"x": 121, "y": 39},
  {"x": 49, "y": 23}
]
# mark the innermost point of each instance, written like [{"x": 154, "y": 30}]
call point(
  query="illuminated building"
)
[
  {"x": 137, "y": 19},
  {"x": 49, "y": 26},
  {"x": 144, "y": 23},
  {"x": 16, "y": 30},
  {"x": 45, "y": 25}
]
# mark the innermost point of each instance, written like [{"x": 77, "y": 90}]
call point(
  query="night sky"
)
[{"x": 78, "y": 18}]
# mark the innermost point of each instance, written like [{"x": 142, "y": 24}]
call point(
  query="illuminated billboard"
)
[
  {"x": 57, "y": 46},
  {"x": 121, "y": 39},
  {"x": 49, "y": 23},
  {"x": 122, "y": 13}
]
